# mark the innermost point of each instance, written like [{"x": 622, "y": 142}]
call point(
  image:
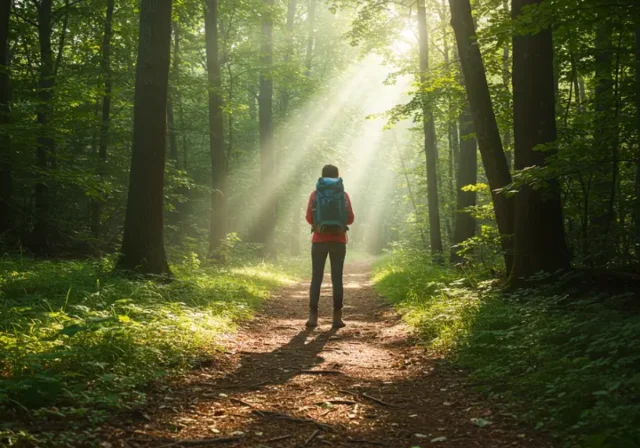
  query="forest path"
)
[{"x": 281, "y": 385}]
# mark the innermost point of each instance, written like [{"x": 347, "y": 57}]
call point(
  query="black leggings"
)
[{"x": 336, "y": 253}]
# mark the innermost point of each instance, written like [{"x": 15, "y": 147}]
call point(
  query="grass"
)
[
  {"x": 78, "y": 343},
  {"x": 565, "y": 363}
]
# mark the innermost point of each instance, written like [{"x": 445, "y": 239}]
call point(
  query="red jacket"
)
[{"x": 323, "y": 237}]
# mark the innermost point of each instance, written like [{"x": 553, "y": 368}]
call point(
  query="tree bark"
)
[
  {"x": 267, "y": 220},
  {"x": 604, "y": 116},
  {"x": 143, "y": 240},
  {"x": 637, "y": 203},
  {"x": 46, "y": 144},
  {"x": 506, "y": 81},
  {"x": 465, "y": 223},
  {"x": 105, "y": 64},
  {"x": 484, "y": 122},
  {"x": 311, "y": 36},
  {"x": 430, "y": 148},
  {"x": 6, "y": 155},
  {"x": 452, "y": 126},
  {"x": 218, "y": 221},
  {"x": 539, "y": 242}
]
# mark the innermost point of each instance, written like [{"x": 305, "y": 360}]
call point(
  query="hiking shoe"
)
[
  {"x": 337, "y": 320},
  {"x": 313, "y": 319}
]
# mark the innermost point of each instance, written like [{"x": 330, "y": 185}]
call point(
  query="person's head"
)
[{"x": 330, "y": 171}]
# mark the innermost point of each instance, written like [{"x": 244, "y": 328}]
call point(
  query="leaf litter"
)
[{"x": 281, "y": 385}]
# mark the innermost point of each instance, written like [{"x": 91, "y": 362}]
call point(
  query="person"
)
[{"x": 329, "y": 212}]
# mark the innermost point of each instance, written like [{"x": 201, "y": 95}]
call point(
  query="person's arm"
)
[
  {"x": 310, "y": 208},
  {"x": 350, "y": 210}
]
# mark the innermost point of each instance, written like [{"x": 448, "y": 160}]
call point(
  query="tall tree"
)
[
  {"x": 105, "y": 65},
  {"x": 465, "y": 223},
  {"x": 311, "y": 35},
  {"x": 539, "y": 239},
  {"x": 637, "y": 204},
  {"x": 506, "y": 81},
  {"x": 218, "y": 221},
  {"x": 484, "y": 121},
  {"x": 604, "y": 142},
  {"x": 6, "y": 180},
  {"x": 46, "y": 145},
  {"x": 171, "y": 96},
  {"x": 291, "y": 14},
  {"x": 143, "y": 240},
  {"x": 265, "y": 117},
  {"x": 430, "y": 148}
]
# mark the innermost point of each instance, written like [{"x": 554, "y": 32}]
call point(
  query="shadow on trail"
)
[{"x": 258, "y": 369}]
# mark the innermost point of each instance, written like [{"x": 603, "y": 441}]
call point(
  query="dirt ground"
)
[{"x": 280, "y": 385}]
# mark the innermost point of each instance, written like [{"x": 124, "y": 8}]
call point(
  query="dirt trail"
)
[{"x": 281, "y": 385}]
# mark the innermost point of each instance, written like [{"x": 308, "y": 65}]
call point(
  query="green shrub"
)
[
  {"x": 78, "y": 341},
  {"x": 570, "y": 365}
]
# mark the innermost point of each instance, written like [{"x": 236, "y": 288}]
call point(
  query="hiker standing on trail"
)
[{"x": 329, "y": 212}]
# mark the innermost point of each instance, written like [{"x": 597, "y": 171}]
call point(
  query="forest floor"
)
[{"x": 281, "y": 385}]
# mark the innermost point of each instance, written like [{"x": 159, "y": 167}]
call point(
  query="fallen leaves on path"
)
[{"x": 280, "y": 385}]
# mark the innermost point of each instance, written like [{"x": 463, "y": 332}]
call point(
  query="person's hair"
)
[{"x": 330, "y": 171}]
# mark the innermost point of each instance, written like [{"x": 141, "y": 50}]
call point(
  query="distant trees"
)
[
  {"x": 6, "y": 180},
  {"x": 430, "y": 146},
  {"x": 143, "y": 240},
  {"x": 105, "y": 65},
  {"x": 467, "y": 174},
  {"x": 218, "y": 213},
  {"x": 268, "y": 214}
]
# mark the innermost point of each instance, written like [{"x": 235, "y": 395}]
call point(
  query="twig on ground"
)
[
  {"x": 242, "y": 402},
  {"x": 349, "y": 402},
  {"x": 235, "y": 386},
  {"x": 383, "y": 403},
  {"x": 279, "y": 438},
  {"x": 321, "y": 372},
  {"x": 196, "y": 442},
  {"x": 313, "y": 436},
  {"x": 271, "y": 414},
  {"x": 369, "y": 442},
  {"x": 327, "y": 412},
  {"x": 353, "y": 394}
]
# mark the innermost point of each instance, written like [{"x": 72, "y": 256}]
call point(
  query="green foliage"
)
[
  {"x": 566, "y": 363},
  {"x": 77, "y": 342}
]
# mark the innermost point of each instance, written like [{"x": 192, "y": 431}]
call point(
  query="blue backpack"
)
[{"x": 330, "y": 213}]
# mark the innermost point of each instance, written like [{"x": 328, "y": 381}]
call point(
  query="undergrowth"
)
[
  {"x": 562, "y": 361},
  {"x": 78, "y": 342}
]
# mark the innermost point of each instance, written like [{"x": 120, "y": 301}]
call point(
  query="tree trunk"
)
[
  {"x": 6, "y": 182},
  {"x": 604, "y": 117},
  {"x": 430, "y": 148},
  {"x": 46, "y": 144},
  {"x": 294, "y": 240},
  {"x": 143, "y": 241},
  {"x": 218, "y": 222},
  {"x": 267, "y": 220},
  {"x": 171, "y": 132},
  {"x": 637, "y": 203},
  {"x": 506, "y": 81},
  {"x": 484, "y": 122},
  {"x": 311, "y": 36},
  {"x": 105, "y": 64},
  {"x": 291, "y": 11},
  {"x": 452, "y": 127},
  {"x": 465, "y": 223},
  {"x": 539, "y": 242}
]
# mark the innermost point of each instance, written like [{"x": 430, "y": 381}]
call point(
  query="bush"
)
[
  {"x": 77, "y": 340},
  {"x": 565, "y": 363}
]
